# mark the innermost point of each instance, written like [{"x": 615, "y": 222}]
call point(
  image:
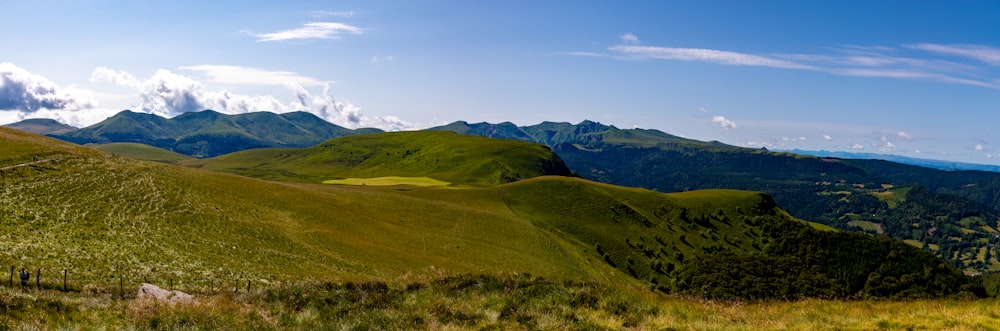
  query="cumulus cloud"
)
[
  {"x": 169, "y": 94},
  {"x": 827, "y": 137},
  {"x": 904, "y": 135},
  {"x": 21, "y": 90},
  {"x": 722, "y": 122},
  {"x": 312, "y": 30},
  {"x": 979, "y": 147},
  {"x": 857, "y": 146}
]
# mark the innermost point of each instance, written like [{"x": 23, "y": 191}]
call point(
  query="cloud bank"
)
[{"x": 23, "y": 91}]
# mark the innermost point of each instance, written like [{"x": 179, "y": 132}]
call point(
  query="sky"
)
[{"x": 913, "y": 78}]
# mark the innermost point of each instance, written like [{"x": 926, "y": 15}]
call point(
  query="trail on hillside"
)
[{"x": 26, "y": 164}]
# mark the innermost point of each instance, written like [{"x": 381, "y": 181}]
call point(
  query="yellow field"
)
[{"x": 388, "y": 181}]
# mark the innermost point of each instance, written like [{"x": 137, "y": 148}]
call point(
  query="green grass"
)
[
  {"x": 892, "y": 196},
  {"x": 445, "y": 156},
  {"x": 477, "y": 302},
  {"x": 388, "y": 181},
  {"x": 867, "y": 226},
  {"x": 142, "y": 152}
]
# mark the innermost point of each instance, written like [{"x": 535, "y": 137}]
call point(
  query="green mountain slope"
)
[
  {"x": 446, "y": 156},
  {"x": 142, "y": 152},
  {"x": 41, "y": 126},
  {"x": 847, "y": 194},
  {"x": 209, "y": 133}
]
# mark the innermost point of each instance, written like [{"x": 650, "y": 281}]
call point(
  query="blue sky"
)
[{"x": 915, "y": 78}]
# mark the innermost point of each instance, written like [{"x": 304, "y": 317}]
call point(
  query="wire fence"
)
[{"x": 123, "y": 286}]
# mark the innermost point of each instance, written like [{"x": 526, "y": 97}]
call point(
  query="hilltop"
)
[
  {"x": 950, "y": 213},
  {"x": 41, "y": 126},
  {"x": 99, "y": 216},
  {"x": 209, "y": 133},
  {"x": 445, "y": 156}
]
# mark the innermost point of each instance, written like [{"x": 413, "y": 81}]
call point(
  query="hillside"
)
[
  {"x": 446, "y": 156},
  {"x": 209, "y": 133},
  {"x": 846, "y": 194},
  {"x": 142, "y": 152},
  {"x": 99, "y": 216},
  {"x": 41, "y": 126}
]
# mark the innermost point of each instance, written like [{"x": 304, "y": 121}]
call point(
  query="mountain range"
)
[{"x": 209, "y": 133}]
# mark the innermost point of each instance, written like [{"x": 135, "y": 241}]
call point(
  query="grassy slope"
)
[
  {"x": 142, "y": 152},
  {"x": 444, "y": 156}
]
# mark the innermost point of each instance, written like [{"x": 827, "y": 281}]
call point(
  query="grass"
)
[
  {"x": 142, "y": 152},
  {"x": 467, "y": 302},
  {"x": 867, "y": 226},
  {"x": 388, "y": 181},
  {"x": 892, "y": 196}
]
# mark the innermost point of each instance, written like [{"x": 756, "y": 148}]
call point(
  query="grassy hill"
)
[
  {"x": 142, "y": 152},
  {"x": 951, "y": 213},
  {"x": 103, "y": 217},
  {"x": 209, "y": 133},
  {"x": 446, "y": 156}
]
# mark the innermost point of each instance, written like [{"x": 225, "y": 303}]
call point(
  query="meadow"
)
[{"x": 437, "y": 301}]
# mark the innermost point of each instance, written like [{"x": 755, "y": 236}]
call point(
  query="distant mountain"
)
[
  {"x": 952, "y": 213},
  {"x": 928, "y": 163},
  {"x": 41, "y": 126},
  {"x": 209, "y": 133}
]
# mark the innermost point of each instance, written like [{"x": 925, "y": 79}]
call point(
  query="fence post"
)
[
  {"x": 121, "y": 286},
  {"x": 171, "y": 282},
  {"x": 64, "y": 280},
  {"x": 12, "y": 276},
  {"x": 38, "y": 279},
  {"x": 248, "y": 286}
]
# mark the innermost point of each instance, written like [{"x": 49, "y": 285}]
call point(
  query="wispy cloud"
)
[
  {"x": 987, "y": 54},
  {"x": 704, "y": 55},
  {"x": 312, "y": 30},
  {"x": 328, "y": 14},
  {"x": 962, "y": 64},
  {"x": 226, "y": 74}
]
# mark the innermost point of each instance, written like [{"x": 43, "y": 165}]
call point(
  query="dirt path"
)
[{"x": 25, "y": 164}]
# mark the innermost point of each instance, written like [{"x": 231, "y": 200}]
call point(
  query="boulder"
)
[{"x": 153, "y": 292}]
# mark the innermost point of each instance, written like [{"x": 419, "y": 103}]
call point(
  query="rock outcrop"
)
[{"x": 153, "y": 292}]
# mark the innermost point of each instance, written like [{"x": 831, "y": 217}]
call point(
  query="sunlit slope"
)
[
  {"x": 17, "y": 147},
  {"x": 142, "y": 152},
  {"x": 445, "y": 156},
  {"x": 99, "y": 217}
]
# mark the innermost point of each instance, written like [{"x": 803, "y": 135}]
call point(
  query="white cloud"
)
[
  {"x": 704, "y": 55},
  {"x": 702, "y": 109},
  {"x": 979, "y": 147},
  {"x": 24, "y": 91},
  {"x": 827, "y": 137},
  {"x": 904, "y": 135},
  {"x": 629, "y": 38},
  {"x": 721, "y": 121},
  {"x": 312, "y": 30},
  {"x": 169, "y": 94},
  {"x": 377, "y": 60},
  {"x": 328, "y": 14},
  {"x": 857, "y": 146},
  {"x": 987, "y": 54},
  {"x": 116, "y": 77},
  {"x": 226, "y": 74}
]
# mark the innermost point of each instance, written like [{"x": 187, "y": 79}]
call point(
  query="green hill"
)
[
  {"x": 209, "y": 133},
  {"x": 142, "y": 152},
  {"x": 101, "y": 217},
  {"x": 952, "y": 213},
  {"x": 446, "y": 156}
]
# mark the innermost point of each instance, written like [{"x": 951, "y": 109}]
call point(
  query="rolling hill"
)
[
  {"x": 142, "y": 152},
  {"x": 952, "y": 213},
  {"x": 101, "y": 216},
  {"x": 446, "y": 156},
  {"x": 209, "y": 133}
]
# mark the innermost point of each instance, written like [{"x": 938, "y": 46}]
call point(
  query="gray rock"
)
[{"x": 153, "y": 292}]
